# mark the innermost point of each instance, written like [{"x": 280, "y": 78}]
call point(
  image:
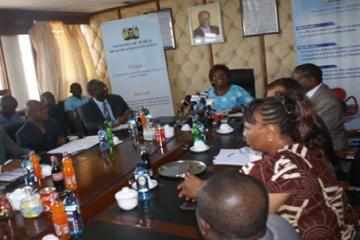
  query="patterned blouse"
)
[
  {"x": 235, "y": 97},
  {"x": 316, "y": 207}
]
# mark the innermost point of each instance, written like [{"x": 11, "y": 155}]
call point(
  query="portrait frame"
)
[
  {"x": 259, "y": 17},
  {"x": 215, "y": 30}
]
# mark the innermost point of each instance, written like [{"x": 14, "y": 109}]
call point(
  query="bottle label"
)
[
  {"x": 61, "y": 229},
  {"x": 57, "y": 176},
  {"x": 142, "y": 183},
  {"x": 69, "y": 181}
]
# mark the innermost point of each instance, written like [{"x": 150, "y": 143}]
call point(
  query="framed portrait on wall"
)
[
  {"x": 259, "y": 17},
  {"x": 205, "y": 24}
]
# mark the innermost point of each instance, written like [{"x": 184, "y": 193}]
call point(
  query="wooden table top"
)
[{"x": 98, "y": 181}]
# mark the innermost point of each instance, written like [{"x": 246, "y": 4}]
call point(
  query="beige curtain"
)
[{"x": 62, "y": 57}]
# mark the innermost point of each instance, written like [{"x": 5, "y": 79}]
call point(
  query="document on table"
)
[
  {"x": 80, "y": 144},
  {"x": 121, "y": 127},
  {"x": 237, "y": 157}
]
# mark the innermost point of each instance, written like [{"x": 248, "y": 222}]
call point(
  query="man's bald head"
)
[
  {"x": 235, "y": 206},
  {"x": 36, "y": 111}
]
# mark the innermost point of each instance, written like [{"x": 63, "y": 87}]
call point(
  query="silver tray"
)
[{"x": 179, "y": 168}]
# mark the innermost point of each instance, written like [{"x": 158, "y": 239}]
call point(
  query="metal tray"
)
[{"x": 179, "y": 168}]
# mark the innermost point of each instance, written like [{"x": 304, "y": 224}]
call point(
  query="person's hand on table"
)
[
  {"x": 122, "y": 119},
  {"x": 190, "y": 187}
]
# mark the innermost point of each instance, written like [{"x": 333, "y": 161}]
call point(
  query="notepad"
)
[{"x": 237, "y": 157}]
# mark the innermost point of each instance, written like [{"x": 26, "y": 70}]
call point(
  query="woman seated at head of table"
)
[
  {"x": 300, "y": 181},
  {"x": 227, "y": 97}
]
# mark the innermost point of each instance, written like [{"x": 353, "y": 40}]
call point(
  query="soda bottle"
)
[
  {"x": 142, "y": 116},
  {"x": 69, "y": 172},
  {"x": 195, "y": 131},
  {"x": 72, "y": 209},
  {"x": 57, "y": 175},
  {"x": 35, "y": 160},
  {"x": 142, "y": 182},
  {"x": 109, "y": 134},
  {"x": 60, "y": 220},
  {"x": 29, "y": 175},
  {"x": 145, "y": 156}
]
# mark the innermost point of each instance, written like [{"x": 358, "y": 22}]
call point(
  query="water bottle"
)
[
  {"x": 142, "y": 182},
  {"x": 72, "y": 209},
  {"x": 29, "y": 175},
  {"x": 103, "y": 145}
]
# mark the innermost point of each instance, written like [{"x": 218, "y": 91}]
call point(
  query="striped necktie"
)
[{"x": 106, "y": 111}]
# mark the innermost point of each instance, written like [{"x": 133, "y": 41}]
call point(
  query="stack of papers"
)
[
  {"x": 237, "y": 157},
  {"x": 12, "y": 175},
  {"x": 79, "y": 145},
  {"x": 121, "y": 127}
]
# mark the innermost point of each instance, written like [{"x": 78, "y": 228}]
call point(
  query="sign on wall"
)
[
  {"x": 327, "y": 34},
  {"x": 136, "y": 63}
]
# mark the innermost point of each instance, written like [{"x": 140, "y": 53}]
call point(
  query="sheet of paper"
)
[
  {"x": 8, "y": 177},
  {"x": 238, "y": 114},
  {"x": 76, "y": 145},
  {"x": 236, "y": 157},
  {"x": 80, "y": 144},
  {"x": 121, "y": 127}
]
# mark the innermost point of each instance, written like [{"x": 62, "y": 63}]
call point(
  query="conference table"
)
[{"x": 99, "y": 180}]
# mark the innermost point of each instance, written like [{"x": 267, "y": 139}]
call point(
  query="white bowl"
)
[
  {"x": 15, "y": 198},
  {"x": 225, "y": 127},
  {"x": 127, "y": 198}
]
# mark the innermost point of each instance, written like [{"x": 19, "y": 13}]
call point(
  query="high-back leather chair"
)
[{"x": 244, "y": 78}]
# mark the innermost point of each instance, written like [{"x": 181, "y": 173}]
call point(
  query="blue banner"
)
[{"x": 327, "y": 33}]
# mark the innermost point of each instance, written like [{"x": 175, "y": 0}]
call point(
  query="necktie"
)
[{"x": 106, "y": 112}]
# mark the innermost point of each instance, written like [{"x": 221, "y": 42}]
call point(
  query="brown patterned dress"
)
[{"x": 316, "y": 207}]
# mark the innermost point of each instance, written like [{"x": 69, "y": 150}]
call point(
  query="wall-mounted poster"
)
[
  {"x": 205, "y": 24},
  {"x": 259, "y": 17}
]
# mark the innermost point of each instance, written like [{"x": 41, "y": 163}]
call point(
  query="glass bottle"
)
[
  {"x": 69, "y": 172},
  {"x": 57, "y": 175}
]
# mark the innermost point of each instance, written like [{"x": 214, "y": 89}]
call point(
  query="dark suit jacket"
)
[
  {"x": 91, "y": 116},
  {"x": 329, "y": 108},
  {"x": 8, "y": 148},
  {"x": 199, "y": 33}
]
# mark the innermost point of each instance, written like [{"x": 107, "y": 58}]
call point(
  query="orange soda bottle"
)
[
  {"x": 69, "y": 172},
  {"x": 143, "y": 119},
  {"x": 59, "y": 219},
  {"x": 35, "y": 160}
]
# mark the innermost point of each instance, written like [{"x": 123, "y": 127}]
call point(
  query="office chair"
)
[{"x": 244, "y": 78}]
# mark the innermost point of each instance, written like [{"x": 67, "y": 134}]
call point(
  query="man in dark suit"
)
[
  {"x": 102, "y": 106},
  {"x": 326, "y": 104},
  {"x": 204, "y": 25},
  {"x": 39, "y": 132},
  {"x": 8, "y": 148}
]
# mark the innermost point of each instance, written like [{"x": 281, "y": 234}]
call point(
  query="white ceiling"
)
[{"x": 86, "y": 6}]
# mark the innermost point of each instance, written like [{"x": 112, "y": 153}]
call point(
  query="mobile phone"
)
[{"x": 188, "y": 206}]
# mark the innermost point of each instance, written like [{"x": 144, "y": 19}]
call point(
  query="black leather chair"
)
[{"x": 244, "y": 78}]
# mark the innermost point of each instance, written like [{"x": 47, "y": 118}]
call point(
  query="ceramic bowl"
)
[{"x": 127, "y": 198}]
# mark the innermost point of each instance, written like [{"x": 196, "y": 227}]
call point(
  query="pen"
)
[{"x": 230, "y": 154}]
